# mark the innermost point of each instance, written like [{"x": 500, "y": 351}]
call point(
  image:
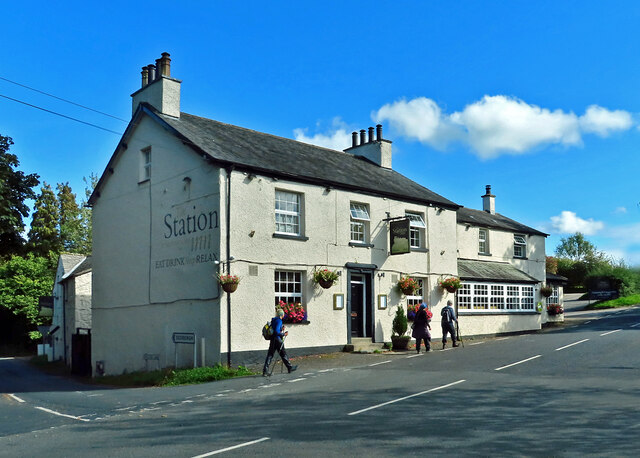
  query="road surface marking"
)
[
  {"x": 610, "y": 332},
  {"x": 414, "y": 356},
  {"x": 61, "y": 414},
  {"x": 14, "y": 397},
  {"x": 326, "y": 370},
  {"x": 571, "y": 345},
  {"x": 519, "y": 362},
  {"x": 406, "y": 397},
  {"x": 296, "y": 380},
  {"x": 587, "y": 322},
  {"x": 502, "y": 338},
  {"x": 270, "y": 385},
  {"x": 2, "y": 359},
  {"x": 635, "y": 325},
  {"x": 127, "y": 408},
  {"x": 381, "y": 362},
  {"x": 476, "y": 343},
  {"x": 222, "y": 450}
]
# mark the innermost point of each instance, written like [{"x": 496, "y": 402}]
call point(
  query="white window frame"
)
[
  {"x": 495, "y": 298},
  {"x": 288, "y": 286},
  {"x": 519, "y": 246},
  {"x": 145, "y": 164},
  {"x": 483, "y": 241},
  {"x": 555, "y": 295},
  {"x": 288, "y": 212},
  {"x": 417, "y": 228},
  {"x": 359, "y": 220},
  {"x": 418, "y": 294}
]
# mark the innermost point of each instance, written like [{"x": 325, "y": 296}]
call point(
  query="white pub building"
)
[{"x": 184, "y": 198}]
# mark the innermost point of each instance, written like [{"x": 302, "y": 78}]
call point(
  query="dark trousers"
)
[
  {"x": 427, "y": 343},
  {"x": 447, "y": 327},
  {"x": 277, "y": 344}
]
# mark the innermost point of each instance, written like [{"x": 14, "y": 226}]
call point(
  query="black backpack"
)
[
  {"x": 446, "y": 314},
  {"x": 267, "y": 331}
]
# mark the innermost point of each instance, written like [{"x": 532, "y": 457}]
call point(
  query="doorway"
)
[{"x": 361, "y": 309}]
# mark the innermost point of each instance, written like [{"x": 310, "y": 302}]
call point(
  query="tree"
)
[
  {"x": 552, "y": 265},
  {"x": 576, "y": 248},
  {"x": 44, "y": 236},
  {"x": 70, "y": 222},
  {"x": 22, "y": 281},
  {"x": 15, "y": 188}
]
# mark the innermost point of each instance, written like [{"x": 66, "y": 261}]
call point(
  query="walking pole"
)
[{"x": 459, "y": 336}]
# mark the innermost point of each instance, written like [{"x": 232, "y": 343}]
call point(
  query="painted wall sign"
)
[
  {"x": 185, "y": 244},
  {"x": 399, "y": 236},
  {"x": 184, "y": 337}
]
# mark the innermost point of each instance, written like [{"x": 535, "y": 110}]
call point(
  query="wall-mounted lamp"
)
[
  {"x": 442, "y": 252},
  {"x": 439, "y": 210},
  {"x": 252, "y": 233},
  {"x": 231, "y": 258},
  {"x": 380, "y": 274},
  {"x": 327, "y": 189},
  {"x": 251, "y": 176}
]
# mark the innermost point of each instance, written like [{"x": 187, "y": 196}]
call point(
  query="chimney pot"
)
[
  {"x": 354, "y": 139},
  {"x": 165, "y": 63},
  {"x": 145, "y": 76},
  {"x": 158, "y": 68},
  {"x": 379, "y": 132},
  {"x": 363, "y": 136},
  {"x": 151, "y": 73},
  {"x": 370, "y": 134},
  {"x": 488, "y": 188}
]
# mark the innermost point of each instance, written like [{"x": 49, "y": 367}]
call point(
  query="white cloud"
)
[
  {"x": 337, "y": 138},
  {"x": 620, "y": 211},
  {"x": 628, "y": 234},
  {"x": 419, "y": 119},
  {"x": 570, "y": 223},
  {"x": 499, "y": 124},
  {"x": 600, "y": 121}
]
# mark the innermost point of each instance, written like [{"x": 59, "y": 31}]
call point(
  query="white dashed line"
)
[
  {"x": 476, "y": 343},
  {"x": 414, "y": 356},
  {"x": 15, "y": 398},
  {"x": 519, "y": 362},
  {"x": 502, "y": 338},
  {"x": 405, "y": 397},
  {"x": 4, "y": 359},
  {"x": 127, "y": 408},
  {"x": 571, "y": 345},
  {"x": 381, "y": 362},
  {"x": 61, "y": 414},
  {"x": 326, "y": 370},
  {"x": 296, "y": 380},
  {"x": 232, "y": 448},
  {"x": 610, "y": 332},
  {"x": 635, "y": 325}
]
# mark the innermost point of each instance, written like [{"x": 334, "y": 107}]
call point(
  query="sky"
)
[{"x": 540, "y": 100}]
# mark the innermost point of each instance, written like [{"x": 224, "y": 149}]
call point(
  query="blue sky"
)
[{"x": 538, "y": 99}]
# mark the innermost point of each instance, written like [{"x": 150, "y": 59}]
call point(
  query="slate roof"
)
[
  {"x": 556, "y": 279},
  {"x": 289, "y": 159},
  {"x": 492, "y": 271},
  {"x": 498, "y": 221},
  {"x": 69, "y": 261},
  {"x": 80, "y": 268}
]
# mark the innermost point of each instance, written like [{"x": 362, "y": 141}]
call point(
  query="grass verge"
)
[
  {"x": 163, "y": 377},
  {"x": 626, "y": 301}
]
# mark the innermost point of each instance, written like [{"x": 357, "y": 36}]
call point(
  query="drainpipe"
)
[{"x": 229, "y": 170}]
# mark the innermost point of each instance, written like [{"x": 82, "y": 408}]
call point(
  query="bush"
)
[
  {"x": 400, "y": 325},
  {"x": 623, "y": 279}
]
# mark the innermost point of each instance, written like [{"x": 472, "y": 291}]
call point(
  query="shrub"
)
[{"x": 400, "y": 325}]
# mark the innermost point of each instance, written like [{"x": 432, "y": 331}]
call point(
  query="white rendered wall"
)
[{"x": 152, "y": 271}]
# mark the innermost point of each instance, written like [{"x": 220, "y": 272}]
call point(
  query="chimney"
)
[
  {"x": 158, "y": 88},
  {"x": 489, "y": 201},
  {"x": 377, "y": 150}
]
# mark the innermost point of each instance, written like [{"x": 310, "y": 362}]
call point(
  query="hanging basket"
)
[
  {"x": 451, "y": 289},
  {"x": 407, "y": 291},
  {"x": 546, "y": 291},
  {"x": 229, "y": 287},
  {"x": 326, "y": 284}
]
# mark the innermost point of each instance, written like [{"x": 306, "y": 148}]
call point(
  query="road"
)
[{"x": 567, "y": 391}]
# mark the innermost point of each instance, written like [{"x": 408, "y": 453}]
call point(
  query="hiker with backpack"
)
[
  {"x": 278, "y": 333},
  {"x": 421, "y": 328},
  {"x": 448, "y": 320}
]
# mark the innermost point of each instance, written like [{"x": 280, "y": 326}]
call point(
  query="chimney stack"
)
[
  {"x": 489, "y": 201},
  {"x": 377, "y": 150},
  {"x": 158, "y": 88}
]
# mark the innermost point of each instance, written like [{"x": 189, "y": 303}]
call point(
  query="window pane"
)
[
  {"x": 359, "y": 212},
  {"x": 415, "y": 220}
]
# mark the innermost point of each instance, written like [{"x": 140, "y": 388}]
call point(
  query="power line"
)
[
  {"x": 61, "y": 115},
  {"x": 64, "y": 100}
]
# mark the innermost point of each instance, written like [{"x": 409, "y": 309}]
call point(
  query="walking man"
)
[
  {"x": 277, "y": 344},
  {"x": 448, "y": 320}
]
